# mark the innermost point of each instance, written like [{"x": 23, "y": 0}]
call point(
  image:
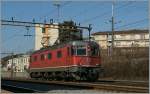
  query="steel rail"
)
[
  {"x": 17, "y": 89},
  {"x": 98, "y": 86}
]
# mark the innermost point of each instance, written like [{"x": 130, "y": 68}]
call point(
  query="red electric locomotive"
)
[{"x": 78, "y": 60}]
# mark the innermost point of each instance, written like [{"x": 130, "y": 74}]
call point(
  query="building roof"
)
[
  {"x": 14, "y": 56},
  {"x": 134, "y": 31}
]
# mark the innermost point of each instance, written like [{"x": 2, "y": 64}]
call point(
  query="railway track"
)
[
  {"x": 106, "y": 85},
  {"x": 125, "y": 83},
  {"x": 18, "y": 89}
]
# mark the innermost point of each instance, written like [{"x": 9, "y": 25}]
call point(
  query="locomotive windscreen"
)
[
  {"x": 79, "y": 50},
  {"x": 85, "y": 49}
]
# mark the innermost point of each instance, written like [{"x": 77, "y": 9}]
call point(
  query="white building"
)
[
  {"x": 44, "y": 35},
  {"x": 20, "y": 63},
  {"x": 128, "y": 38}
]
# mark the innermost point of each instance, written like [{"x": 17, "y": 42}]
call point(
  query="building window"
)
[
  {"x": 146, "y": 44},
  {"x": 118, "y": 43},
  {"x": 117, "y": 36},
  {"x": 142, "y": 36},
  {"x": 25, "y": 60},
  {"x": 146, "y": 36},
  {"x": 21, "y": 59},
  {"x": 103, "y": 37},
  {"x": 43, "y": 30},
  {"x": 59, "y": 54},
  {"x": 123, "y": 36},
  {"x": 137, "y": 36},
  {"x": 42, "y": 57},
  {"x": 109, "y": 37},
  {"x": 49, "y": 55}
]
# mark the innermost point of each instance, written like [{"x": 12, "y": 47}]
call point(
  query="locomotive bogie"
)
[{"x": 80, "y": 73}]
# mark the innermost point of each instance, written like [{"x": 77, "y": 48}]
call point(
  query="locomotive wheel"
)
[
  {"x": 58, "y": 76},
  {"x": 53, "y": 76},
  {"x": 50, "y": 76},
  {"x": 76, "y": 76},
  {"x": 92, "y": 76},
  {"x": 31, "y": 75},
  {"x": 65, "y": 76},
  {"x": 45, "y": 76},
  {"x": 42, "y": 76}
]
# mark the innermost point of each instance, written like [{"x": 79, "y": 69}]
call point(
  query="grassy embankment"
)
[{"x": 126, "y": 64}]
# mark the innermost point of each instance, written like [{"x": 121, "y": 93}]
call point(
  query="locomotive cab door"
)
[{"x": 68, "y": 59}]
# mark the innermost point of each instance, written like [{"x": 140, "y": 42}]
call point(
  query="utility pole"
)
[
  {"x": 111, "y": 39},
  {"x": 112, "y": 25},
  {"x": 57, "y": 4},
  {"x": 89, "y": 29},
  {"x": 12, "y": 71},
  {"x": 111, "y": 48}
]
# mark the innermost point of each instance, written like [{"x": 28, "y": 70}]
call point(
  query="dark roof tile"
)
[{"x": 134, "y": 31}]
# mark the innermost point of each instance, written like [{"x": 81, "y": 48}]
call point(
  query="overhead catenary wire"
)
[
  {"x": 132, "y": 11},
  {"x": 83, "y": 11},
  {"x": 31, "y": 24},
  {"x": 136, "y": 22},
  {"x": 12, "y": 48},
  {"x": 18, "y": 42},
  {"x": 13, "y": 37},
  {"x": 105, "y": 13},
  {"x": 10, "y": 37}
]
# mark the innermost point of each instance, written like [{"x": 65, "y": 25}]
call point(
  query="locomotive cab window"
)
[
  {"x": 49, "y": 56},
  {"x": 43, "y": 30},
  {"x": 81, "y": 50},
  {"x": 59, "y": 54}
]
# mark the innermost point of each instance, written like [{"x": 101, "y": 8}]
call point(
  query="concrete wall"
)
[
  {"x": 15, "y": 74},
  {"x": 52, "y": 33},
  {"x": 38, "y": 37}
]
